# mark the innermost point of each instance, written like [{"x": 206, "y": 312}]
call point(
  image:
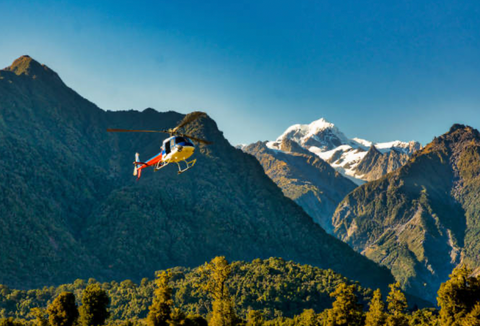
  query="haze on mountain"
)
[
  {"x": 72, "y": 209},
  {"x": 423, "y": 219}
]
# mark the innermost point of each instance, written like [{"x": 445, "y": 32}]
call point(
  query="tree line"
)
[{"x": 458, "y": 300}]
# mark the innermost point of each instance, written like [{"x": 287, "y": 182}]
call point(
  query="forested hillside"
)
[
  {"x": 273, "y": 286},
  {"x": 71, "y": 208},
  {"x": 423, "y": 219},
  {"x": 263, "y": 292}
]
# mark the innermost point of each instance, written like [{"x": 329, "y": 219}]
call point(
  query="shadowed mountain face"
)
[
  {"x": 307, "y": 179},
  {"x": 70, "y": 207},
  {"x": 423, "y": 219}
]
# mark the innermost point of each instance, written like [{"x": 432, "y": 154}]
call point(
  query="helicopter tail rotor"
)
[{"x": 135, "y": 164}]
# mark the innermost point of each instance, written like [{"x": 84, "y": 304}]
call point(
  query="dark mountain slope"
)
[
  {"x": 423, "y": 219},
  {"x": 304, "y": 177},
  {"x": 71, "y": 208}
]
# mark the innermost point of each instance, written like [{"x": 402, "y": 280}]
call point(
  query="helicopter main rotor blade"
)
[
  {"x": 130, "y": 130},
  {"x": 203, "y": 141},
  {"x": 188, "y": 119}
]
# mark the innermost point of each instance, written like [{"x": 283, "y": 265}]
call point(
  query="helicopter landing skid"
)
[
  {"x": 188, "y": 164},
  {"x": 160, "y": 165}
]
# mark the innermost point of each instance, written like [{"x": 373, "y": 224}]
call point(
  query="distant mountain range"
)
[
  {"x": 70, "y": 207},
  {"x": 419, "y": 214},
  {"x": 423, "y": 219},
  {"x": 317, "y": 165},
  {"x": 358, "y": 159}
]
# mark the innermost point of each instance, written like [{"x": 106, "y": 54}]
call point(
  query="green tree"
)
[
  {"x": 307, "y": 318},
  {"x": 9, "y": 322},
  {"x": 63, "y": 310},
  {"x": 217, "y": 272},
  {"x": 40, "y": 315},
  {"x": 95, "y": 303},
  {"x": 177, "y": 317},
  {"x": 397, "y": 306},
  {"x": 458, "y": 296},
  {"x": 255, "y": 318},
  {"x": 473, "y": 317},
  {"x": 376, "y": 313},
  {"x": 161, "y": 308},
  {"x": 345, "y": 309},
  {"x": 195, "y": 320},
  {"x": 424, "y": 317}
]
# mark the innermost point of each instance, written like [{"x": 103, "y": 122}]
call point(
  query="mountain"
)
[
  {"x": 70, "y": 207},
  {"x": 423, "y": 219},
  {"x": 349, "y": 156},
  {"x": 304, "y": 177}
]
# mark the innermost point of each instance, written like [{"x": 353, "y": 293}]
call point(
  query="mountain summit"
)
[
  {"x": 27, "y": 66},
  {"x": 326, "y": 140}
]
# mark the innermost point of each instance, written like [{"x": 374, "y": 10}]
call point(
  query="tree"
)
[
  {"x": 458, "y": 296},
  {"x": 254, "y": 318},
  {"x": 376, "y": 314},
  {"x": 95, "y": 303},
  {"x": 177, "y": 318},
  {"x": 195, "y": 320},
  {"x": 307, "y": 318},
  {"x": 40, "y": 316},
  {"x": 9, "y": 322},
  {"x": 424, "y": 317},
  {"x": 473, "y": 318},
  {"x": 63, "y": 310},
  {"x": 345, "y": 309},
  {"x": 161, "y": 308},
  {"x": 217, "y": 272},
  {"x": 397, "y": 305}
]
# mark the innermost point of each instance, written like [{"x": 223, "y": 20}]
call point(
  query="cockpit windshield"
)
[{"x": 185, "y": 140}]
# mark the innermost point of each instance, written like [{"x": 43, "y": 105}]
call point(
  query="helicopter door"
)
[{"x": 167, "y": 148}]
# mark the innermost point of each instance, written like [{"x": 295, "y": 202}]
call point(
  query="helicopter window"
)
[
  {"x": 167, "y": 147},
  {"x": 182, "y": 140}
]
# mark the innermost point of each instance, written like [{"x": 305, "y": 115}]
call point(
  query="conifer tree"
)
[
  {"x": 458, "y": 296},
  {"x": 376, "y": 314},
  {"x": 223, "y": 313},
  {"x": 63, "y": 310},
  {"x": 95, "y": 303},
  {"x": 162, "y": 305},
  {"x": 345, "y": 309},
  {"x": 397, "y": 306}
]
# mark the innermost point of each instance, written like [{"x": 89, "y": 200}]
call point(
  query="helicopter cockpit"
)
[{"x": 178, "y": 142}]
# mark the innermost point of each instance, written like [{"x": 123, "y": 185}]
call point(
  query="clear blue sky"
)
[{"x": 380, "y": 70}]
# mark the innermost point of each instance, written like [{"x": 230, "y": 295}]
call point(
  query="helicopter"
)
[{"x": 175, "y": 149}]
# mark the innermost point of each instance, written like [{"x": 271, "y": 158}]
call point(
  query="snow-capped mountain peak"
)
[
  {"x": 324, "y": 139},
  {"x": 320, "y": 133}
]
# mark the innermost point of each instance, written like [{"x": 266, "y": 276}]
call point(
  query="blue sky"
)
[{"x": 379, "y": 70}]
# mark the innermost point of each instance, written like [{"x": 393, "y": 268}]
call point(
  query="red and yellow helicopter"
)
[{"x": 175, "y": 149}]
